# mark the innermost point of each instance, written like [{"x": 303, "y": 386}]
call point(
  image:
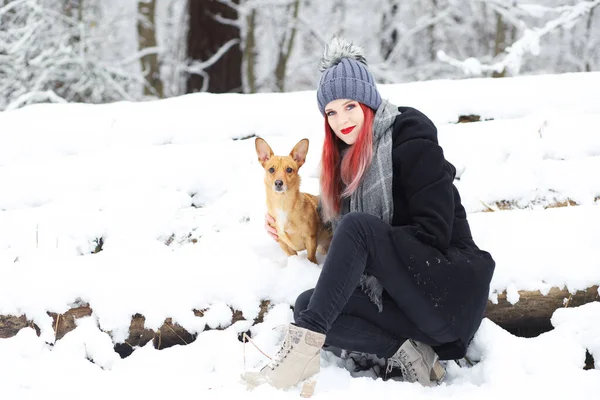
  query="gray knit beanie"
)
[{"x": 345, "y": 75}]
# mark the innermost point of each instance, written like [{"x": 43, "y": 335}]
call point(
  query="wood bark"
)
[
  {"x": 206, "y": 35},
  {"x": 500, "y": 43},
  {"x": 533, "y": 310},
  {"x": 250, "y": 51},
  {"x": 589, "y": 42},
  {"x": 528, "y": 317},
  {"x": 286, "y": 47},
  {"x": 431, "y": 32},
  {"x": 147, "y": 40},
  {"x": 389, "y": 32}
]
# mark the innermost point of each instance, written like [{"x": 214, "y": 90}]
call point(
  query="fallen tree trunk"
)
[
  {"x": 533, "y": 311},
  {"x": 530, "y": 316}
]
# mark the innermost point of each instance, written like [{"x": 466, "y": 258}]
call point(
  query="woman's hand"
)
[{"x": 269, "y": 227}]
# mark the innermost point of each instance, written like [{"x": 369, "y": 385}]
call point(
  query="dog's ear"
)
[
  {"x": 299, "y": 152},
  {"x": 263, "y": 150}
]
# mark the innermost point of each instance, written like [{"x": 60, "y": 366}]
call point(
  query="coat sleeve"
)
[{"x": 427, "y": 182}]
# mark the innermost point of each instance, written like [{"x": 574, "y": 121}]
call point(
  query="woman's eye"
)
[
  {"x": 331, "y": 113},
  {"x": 271, "y": 170},
  {"x": 289, "y": 170},
  {"x": 350, "y": 106}
]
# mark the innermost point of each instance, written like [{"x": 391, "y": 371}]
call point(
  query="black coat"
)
[{"x": 452, "y": 271}]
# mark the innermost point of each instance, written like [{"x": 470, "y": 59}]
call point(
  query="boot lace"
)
[
  {"x": 274, "y": 361},
  {"x": 285, "y": 349},
  {"x": 408, "y": 371}
]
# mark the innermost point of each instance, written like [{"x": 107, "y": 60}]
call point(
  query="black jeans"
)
[{"x": 339, "y": 308}]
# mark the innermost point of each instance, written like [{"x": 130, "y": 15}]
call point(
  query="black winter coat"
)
[{"x": 453, "y": 272}]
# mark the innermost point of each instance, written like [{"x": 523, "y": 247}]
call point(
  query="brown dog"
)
[{"x": 297, "y": 220}]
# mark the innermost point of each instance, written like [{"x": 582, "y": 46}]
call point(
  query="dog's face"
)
[{"x": 281, "y": 172}]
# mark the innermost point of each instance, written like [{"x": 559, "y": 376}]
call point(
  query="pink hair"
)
[{"x": 351, "y": 169}]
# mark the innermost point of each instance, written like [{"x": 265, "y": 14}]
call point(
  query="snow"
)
[{"x": 176, "y": 195}]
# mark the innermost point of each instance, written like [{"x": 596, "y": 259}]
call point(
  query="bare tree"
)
[
  {"x": 47, "y": 55},
  {"x": 250, "y": 51},
  {"x": 389, "y": 30},
  {"x": 529, "y": 43},
  {"x": 214, "y": 31},
  {"x": 500, "y": 42},
  {"x": 87, "y": 50},
  {"x": 147, "y": 46},
  {"x": 431, "y": 30},
  {"x": 286, "y": 46},
  {"x": 172, "y": 22},
  {"x": 590, "y": 41}
]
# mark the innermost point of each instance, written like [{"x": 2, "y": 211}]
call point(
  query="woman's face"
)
[{"x": 346, "y": 119}]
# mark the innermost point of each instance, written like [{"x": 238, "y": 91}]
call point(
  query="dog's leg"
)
[
  {"x": 311, "y": 248},
  {"x": 287, "y": 249}
]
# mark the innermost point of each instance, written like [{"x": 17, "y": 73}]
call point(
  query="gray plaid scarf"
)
[{"x": 374, "y": 194}]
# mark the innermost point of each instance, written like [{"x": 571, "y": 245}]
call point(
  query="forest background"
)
[{"x": 100, "y": 51}]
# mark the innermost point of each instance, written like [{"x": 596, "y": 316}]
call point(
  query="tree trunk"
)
[
  {"x": 146, "y": 40},
  {"x": 389, "y": 34},
  {"x": 206, "y": 35},
  {"x": 533, "y": 311},
  {"x": 285, "y": 49},
  {"x": 589, "y": 42},
  {"x": 530, "y": 316},
  {"x": 250, "y": 51},
  {"x": 431, "y": 31},
  {"x": 500, "y": 43}
]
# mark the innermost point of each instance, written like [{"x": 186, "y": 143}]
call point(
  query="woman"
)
[{"x": 403, "y": 278}]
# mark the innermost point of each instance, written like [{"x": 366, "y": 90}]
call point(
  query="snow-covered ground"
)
[{"x": 177, "y": 197}]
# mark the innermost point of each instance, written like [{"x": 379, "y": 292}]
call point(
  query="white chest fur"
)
[{"x": 281, "y": 220}]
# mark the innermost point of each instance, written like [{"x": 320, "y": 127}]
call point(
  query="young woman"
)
[{"x": 403, "y": 278}]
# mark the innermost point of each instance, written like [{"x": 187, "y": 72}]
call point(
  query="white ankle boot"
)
[
  {"x": 418, "y": 362},
  {"x": 298, "y": 360}
]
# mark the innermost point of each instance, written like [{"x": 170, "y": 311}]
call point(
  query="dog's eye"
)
[
  {"x": 289, "y": 170},
  {"x": 271, "y": 170}
]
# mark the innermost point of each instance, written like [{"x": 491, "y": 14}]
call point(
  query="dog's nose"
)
[{"x": 278, "y": 184}]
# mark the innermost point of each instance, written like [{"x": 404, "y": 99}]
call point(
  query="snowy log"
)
[
  {"x": 532, "y": 313},
  {"x": 529, "y": 316}
]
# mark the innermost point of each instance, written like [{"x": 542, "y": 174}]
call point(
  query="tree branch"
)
[
  {"x": 197, "y": 67},
  {"x": 231, "y": 4},
  {"x": 528, "y": 43},
  {"x": 40, "y": 96},
  {"x": 13, "y": 4},
  {"x": 406, "y": 36},
  {"x": 313, "y": 31},
  {"x": 226, "y": 21}
]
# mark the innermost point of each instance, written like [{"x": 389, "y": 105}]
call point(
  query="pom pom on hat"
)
[
  {"x": 345, "y": 75},
  {"x": 336, "y": 50}
]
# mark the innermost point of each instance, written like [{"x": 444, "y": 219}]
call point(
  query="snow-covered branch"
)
[
  {"x": 11, "y": 6},
  {"x": 134, "y": 58},
  {"x": 198, "y": 67},
  {"x": 49, "y": 56},
  {"x": 226, "y": 21},
  {"x": 265, "y": 3},
  {"x": 409, "y": 35},
  {"x": 87, "y": 51},
  {"x": 231, "y": 4},
  {"x": 36, "y": 96},
  {"x": 303, "y": 22},
  {"x": 529, "y": 43}
]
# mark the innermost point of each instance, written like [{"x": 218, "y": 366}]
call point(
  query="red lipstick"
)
[{"x": 348, "y": 130}]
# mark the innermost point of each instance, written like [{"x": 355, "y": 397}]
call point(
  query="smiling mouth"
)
[{"x": 346, "y": 131}]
